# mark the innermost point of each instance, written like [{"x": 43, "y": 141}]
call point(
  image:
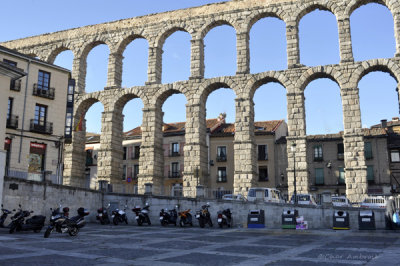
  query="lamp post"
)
[{"x": 293, "y": 148}]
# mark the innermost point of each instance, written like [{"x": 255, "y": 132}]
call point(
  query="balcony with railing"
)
[
  {"x": 40, "y": 127},
  {"x": 221, "y": 179},
  {"x": 174, "y": 154},
  {"x": 12, "y": 121},
  {"x": 173, "y": 174},
  {"x": 221, "y": 158},
  {"x": 15, "y": 85},
  {"x": 43, "y": 92}
]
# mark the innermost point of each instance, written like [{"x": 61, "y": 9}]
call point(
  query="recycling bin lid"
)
[
  {"x": 288, "y": 211},
  {"x": 366, "y": 213},
  {"x": 340, "y": 213},
  {"x": 255, "y": 211}
]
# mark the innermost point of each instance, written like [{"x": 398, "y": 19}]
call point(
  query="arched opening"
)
[
  {"x": 324, "y": 126},
  {"x": 268, "y": 45},
  {"x": 220, "y": 52},
  {"x": 319, "y": 41},
  {"x": 176, "y": 57},
  {"x": 270, "y": 128},
  {"x": 97, "y": 68},
  {"x": 65, "y": 59},
  {"x": 131, "y": 143},
  {"x": 135, "y": 63},
  {"x": 378, "y": 98},
  {"x": 220, "y": 128},
  {"x": 372, "y": 32},
  {"x": 174, "y": 124}
]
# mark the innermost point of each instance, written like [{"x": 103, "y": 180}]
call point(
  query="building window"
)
[
  {"x": 263, "y": 173},
  {"x": 341, "y": 180},
  {"x": 43, "y": 80},
  {"x": 370, "y": 174},
  {"x": 262, "y": 152},
  {"x": 175, "y": 149},
  {"x": 221, "y": 174},
  {"x": 319, "y": 176},
  {"x": 137, "y": 152},
  {"x": 395, "y": 156},
  {"x": 368, "y": 150},
  {"x": 318, "y": 153},
  {"x": 9, "y": 62},
  {"x": 174, "y": 169},
  {"x": 68, "y": 125},
  {"x": 340, "y": 151},
  {"x": 36, "y": 161},
  {"x": 10, "y": 107},
  {"x": 40, "y": 114},
  {"x": 124, "y": 169},
  {"x": 124, "y": 156},
  {"x": 135, "y": 171},
  {"x": 221, "y": 154},
  {"x": 89, "y": 157}
]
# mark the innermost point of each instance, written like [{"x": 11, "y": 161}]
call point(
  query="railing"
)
[
  {"x": 15, "y": 85},
  {"x": 12, "y": 121},
  {"x": 43, "y": 128},
  {"x": 43, "y": 92},
  {"x": 216, "y": 194},
  {"x": 174, "y": 174},
  {"x": 174, "y": 154},
  {"x": 262, "y": 157},
  {"x": 221, "y": 158},
  {"x": 17, "y": 173},
  {"x": 340, "y": 156}
]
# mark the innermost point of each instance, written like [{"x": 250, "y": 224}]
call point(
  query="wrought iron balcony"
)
[
  {"x": 43, "y": 92},
  {"x": 174, "y": 154},
  {"x": 172, "y": 174},
  {"x": 40, "y": 127},
  {"x": 15, "y": 85},
  {"x": 12, "y": 121},
  {"x": 221, "y": 158},
  {"x": 221, "y": 179},
  {"x": 262, "y": 157}
]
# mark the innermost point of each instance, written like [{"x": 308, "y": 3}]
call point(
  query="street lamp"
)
[{"x": 293, "y": 149}]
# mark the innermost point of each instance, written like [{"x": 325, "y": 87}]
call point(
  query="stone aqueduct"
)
[{"x": 241, "y": 15}]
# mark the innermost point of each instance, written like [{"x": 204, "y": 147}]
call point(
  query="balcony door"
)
[{"x": 40, "y": 115}]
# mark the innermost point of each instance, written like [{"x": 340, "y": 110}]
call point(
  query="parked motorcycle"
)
[
  {"x": 204, "y": 216},
  {"x": 102, "y": 215},
  {"x": 142, "y": 215},
  {"x": 225, "y": 218},
  {"x": 18, "y": 222},
  {"x": 63, "y": 224},
  {"x": 168, "y": 217},
  {"x": 119, "y": 216},
  {"x": 185, "y": 218},
  {"x": 3, "y": 216}
]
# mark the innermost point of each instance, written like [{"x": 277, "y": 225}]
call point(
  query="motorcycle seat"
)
[{"x": 75, "y": 218}]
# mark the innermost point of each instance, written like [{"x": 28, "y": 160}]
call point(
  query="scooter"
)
[
  {"x": 63, "y": 224},
  {"x": 204, "y": 216},
  {"x": 142, "y": 215},
  {"x": 168, "y": 217},
  {"x": 18, "y": 222},
  {"x": 225, "y": 218},
  {"x": 185, "y": 218},
  {"x": 119, "y": 216},
  {"x": 102, "y": 215},
  {"x": 3, "y": 216}
]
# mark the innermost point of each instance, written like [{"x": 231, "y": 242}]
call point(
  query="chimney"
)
[{"x": 383, "y": 123}]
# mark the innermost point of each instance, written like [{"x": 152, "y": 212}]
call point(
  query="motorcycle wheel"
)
[
  {"x": 47, "y": 233},
  {"x": 220, "y": 225},
  {"x": 73, "y": 231},
  {"x": 163, "y": 223},
  {"x": 210, "y": 223},
  {"x": 191, "y": 224},
  {"x": 149, "y": 222},
  {"x": 115, "y": 221},
  {"x": 126, "y": 220},
  {"x": 181, "y": 223},
  {"x": 201, "y": 223},
  {"x": 102, "y": 222},
  {"x": 139, "y": 222},
  {"x": 12, "y": 228}
]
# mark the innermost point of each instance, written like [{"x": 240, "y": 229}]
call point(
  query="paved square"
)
[{"x": 156, "y": 245}]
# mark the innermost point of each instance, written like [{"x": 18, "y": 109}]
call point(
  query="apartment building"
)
[
  {"x": 220, "y": 136},
  {"x": 39, "y": 118}
]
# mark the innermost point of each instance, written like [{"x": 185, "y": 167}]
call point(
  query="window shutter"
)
[
  {"x": 130, "y": 155},
  {"x": 181, "y": 148},
  {"x": 166, "y": 170},
  {"x": 166, "y": 150}
]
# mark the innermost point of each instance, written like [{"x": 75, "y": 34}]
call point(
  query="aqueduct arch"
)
[{"x": 241, "y": 14}]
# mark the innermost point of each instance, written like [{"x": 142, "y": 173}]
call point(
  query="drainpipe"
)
[{"x": 23, "y": 112}]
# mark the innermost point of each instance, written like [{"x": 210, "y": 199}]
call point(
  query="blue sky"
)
[{"x": 372, "y": 38}]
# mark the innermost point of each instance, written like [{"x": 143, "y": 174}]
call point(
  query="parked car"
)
[
  {"x": 265, "y": 194},
  {"x": 340, "y": 201},
  {"x": 374, "y": 202},
  {"x": 236, "y": 197},
  {"x": 304, "y": 199}
]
